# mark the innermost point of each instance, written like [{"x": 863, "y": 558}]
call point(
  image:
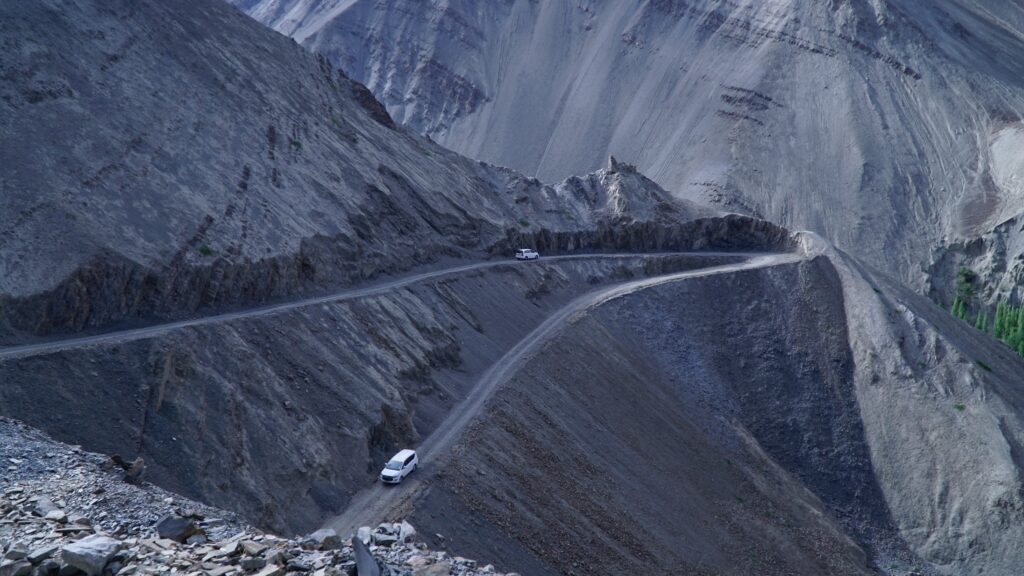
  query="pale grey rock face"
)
[{"x": 891, "y": 127}]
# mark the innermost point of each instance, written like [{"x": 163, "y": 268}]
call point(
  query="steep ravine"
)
[
  {"x": 282, "y": 417},
  {"x": 812, "y": 419}
]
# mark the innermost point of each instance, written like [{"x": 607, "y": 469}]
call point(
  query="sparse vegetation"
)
[
  {"x": 959, "y": 407},
  {"x": 983, "y": 365},
  {"x": 524, "y": 222},
  {"x": 206, "y": 250},
  {"x": 1006, "y": 325},
  {"x": 295, "y": 144}
]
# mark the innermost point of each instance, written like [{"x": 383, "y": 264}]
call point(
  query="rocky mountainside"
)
[
  {"x": 67, "y": 511},
  {"x": 166, "y": 157},
  {"x": 761, "y": 404},
  {"x": 893, "y": 128}
]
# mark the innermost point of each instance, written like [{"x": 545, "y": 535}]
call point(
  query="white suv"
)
[
  {"x": 400, "y": 466},
  {"x": 526, "y": 254}
]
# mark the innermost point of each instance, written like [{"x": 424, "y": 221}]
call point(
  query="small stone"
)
[
  {"x": 298, "y": 566},
  {"x": 384, "y": 539},
  {"x": 271, "y": 571},
  {"x": 364, "y": 533},
  {"x": 91, "y": 554},
  {"x": 196, "y": 539}
]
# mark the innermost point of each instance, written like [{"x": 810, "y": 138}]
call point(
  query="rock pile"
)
[
  {"x": 47, "y": 548},
  {"x": 67, "y": 512}
]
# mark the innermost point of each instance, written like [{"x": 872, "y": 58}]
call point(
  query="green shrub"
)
[{"x": 206, "y": 250}]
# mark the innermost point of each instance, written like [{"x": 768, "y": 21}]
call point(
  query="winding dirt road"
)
[
  {"x": 340, "y": 296},
  {"x": 379, "y": 502}
]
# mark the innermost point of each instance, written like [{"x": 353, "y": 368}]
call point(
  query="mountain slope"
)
[
  {"x": 166, "y": 157},
  {"x": 890, "y": 127}
]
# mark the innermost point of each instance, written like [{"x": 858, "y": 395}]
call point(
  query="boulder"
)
[
  {"x": 405, "y": 532},
  {"x": 47, "y": 567},
  {"x": 40, "y": 554},
  {"x": 324, "y": 539},
  {"x": 252, "y": 564},
  {"x": 364, "y": 533},
  {"x": 253, "y": 548},
  {"x": 381, "y": 539},
  {"x": 15, "y": 568},
  {"x": 176, "y": 528},
  {"x": 91, "y": 554},
  {"x": 18, "y": 551},
  {"x": 135, "y": 471},
  {"x": 44, "y": 506},
  {"x": 58, "y": 516}
]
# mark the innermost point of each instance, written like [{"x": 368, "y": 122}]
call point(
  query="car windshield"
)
[{"x": 394, "y": 465}]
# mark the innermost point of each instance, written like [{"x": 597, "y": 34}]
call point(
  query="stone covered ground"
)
[{"x": 67, "y": 511}]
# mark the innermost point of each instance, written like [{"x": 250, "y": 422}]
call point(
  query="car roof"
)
[{"x": 403, "y": 454}]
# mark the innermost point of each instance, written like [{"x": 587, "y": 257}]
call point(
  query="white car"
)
[
  {"x": 400, "y": 466},
  {"x": 526, "y": 254}
]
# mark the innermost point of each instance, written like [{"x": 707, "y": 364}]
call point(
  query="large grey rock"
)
[
  {"x": 406, "y": 532},
  {"x": 17, "y": 551},
  {"x": 40, "y": 554},
  {"x": 324, "y": 539},
  {"x": 15, "y": 567},
  {"x": 44, "y": 506},
  {"x": 176, "y": 528},
  {"x": 91, "y": 554}
]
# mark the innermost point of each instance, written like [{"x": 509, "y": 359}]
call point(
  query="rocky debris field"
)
[{"x": 67, "y": 511}]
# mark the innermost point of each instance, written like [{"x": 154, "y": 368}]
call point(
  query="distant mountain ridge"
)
[
  {"x": 247, "y": 169},
  {"x": 893, "y": 128}
]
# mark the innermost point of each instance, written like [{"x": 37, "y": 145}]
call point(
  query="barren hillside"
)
[{"x": 893, "y": 128}]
